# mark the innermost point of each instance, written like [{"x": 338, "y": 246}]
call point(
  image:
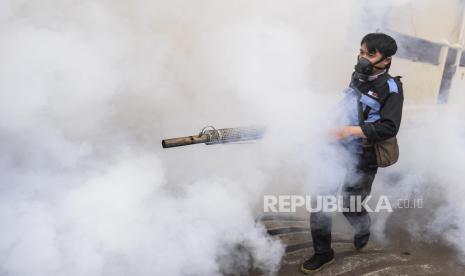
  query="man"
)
[{"x": 375, "y": 109}]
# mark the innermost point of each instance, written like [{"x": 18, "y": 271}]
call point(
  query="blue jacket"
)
[{"x": 381, "y": 101}]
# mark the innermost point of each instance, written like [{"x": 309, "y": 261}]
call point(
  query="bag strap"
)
[
  {"x": 360, "y": 114},
  {"x": 361, "y": 117}
]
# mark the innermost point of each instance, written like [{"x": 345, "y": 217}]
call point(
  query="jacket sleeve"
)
[{"x": 390, "y": 117}]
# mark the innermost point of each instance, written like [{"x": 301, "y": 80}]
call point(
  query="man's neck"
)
[{"x": 376, "y": 75}]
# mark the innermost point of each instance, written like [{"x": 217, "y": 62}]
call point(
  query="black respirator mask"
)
[{"x": 364, "y": 68}]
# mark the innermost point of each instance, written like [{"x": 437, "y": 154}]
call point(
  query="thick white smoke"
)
[
  {"x": 433, "y": 148},
  {"x": 89, "y": 89}
]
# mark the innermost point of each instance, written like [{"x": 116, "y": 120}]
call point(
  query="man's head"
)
[{"x": 376, "y": 51}]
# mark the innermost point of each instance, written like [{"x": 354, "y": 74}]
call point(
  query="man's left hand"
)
[{"x": 345, "y": 132}]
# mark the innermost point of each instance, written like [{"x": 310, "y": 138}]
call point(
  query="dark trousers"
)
[{"x": 358, "y": 184}]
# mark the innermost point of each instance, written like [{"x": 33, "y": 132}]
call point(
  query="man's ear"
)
[{"x": 387, "y": 60}]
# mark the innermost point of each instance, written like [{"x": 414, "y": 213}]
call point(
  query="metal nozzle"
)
[{"x": 217, "y": 136}]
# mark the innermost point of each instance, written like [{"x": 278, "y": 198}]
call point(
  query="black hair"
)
[{"x": 385, "y": 44}]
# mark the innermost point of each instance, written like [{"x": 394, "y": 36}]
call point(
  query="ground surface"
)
[{"x": 401, "y": 257}]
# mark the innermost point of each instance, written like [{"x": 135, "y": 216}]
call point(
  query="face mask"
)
[{"x": 364, "y": 68}]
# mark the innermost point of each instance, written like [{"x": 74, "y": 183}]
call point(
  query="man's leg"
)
[
  {"x": 320, "y": 224},
  {"x": 359, "y": 185}
]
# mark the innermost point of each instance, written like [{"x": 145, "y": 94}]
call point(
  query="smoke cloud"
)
[{"x": 89, "y": 89}]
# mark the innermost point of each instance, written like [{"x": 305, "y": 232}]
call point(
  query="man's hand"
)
[{"x": 345, "y": 132}]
